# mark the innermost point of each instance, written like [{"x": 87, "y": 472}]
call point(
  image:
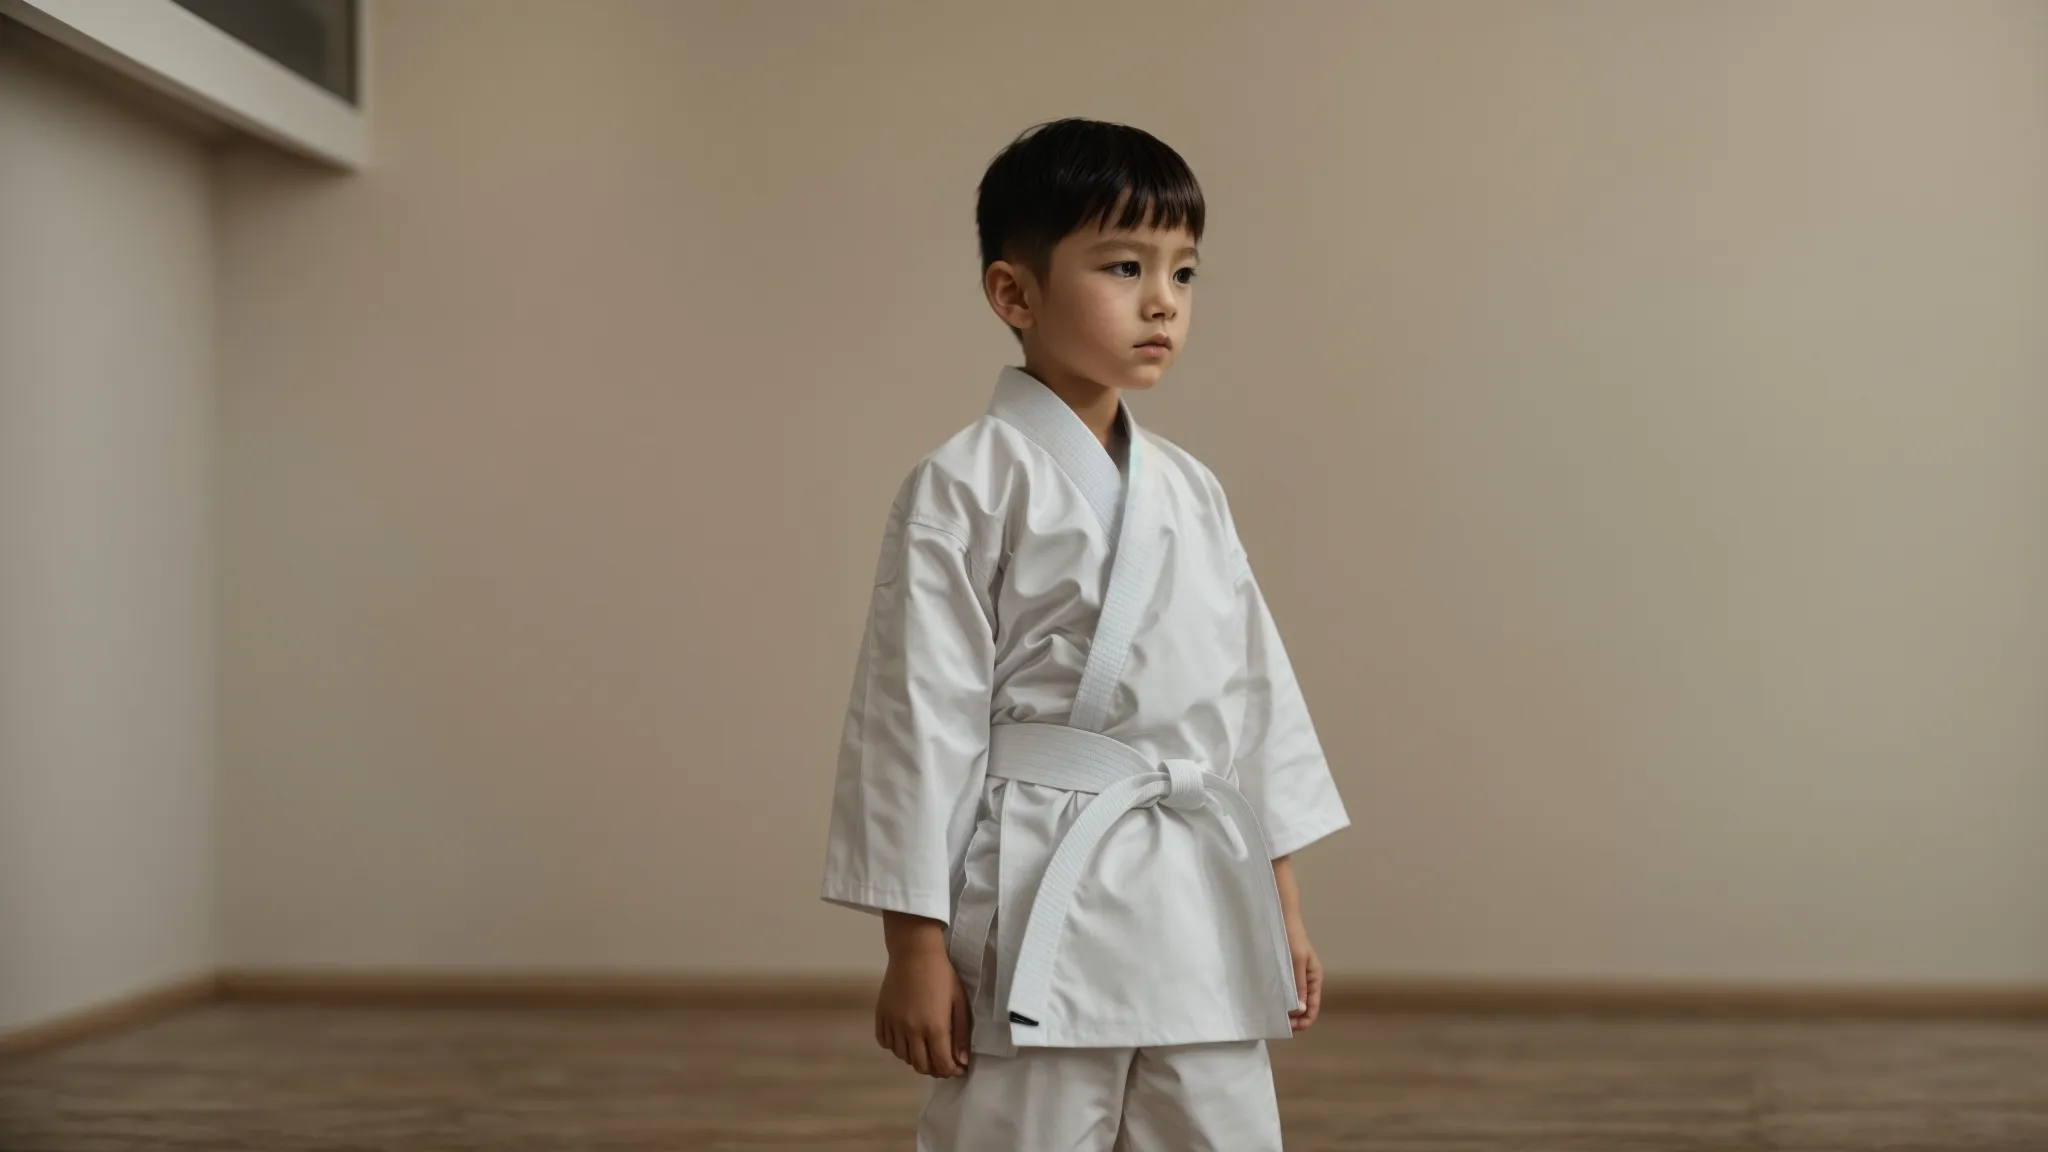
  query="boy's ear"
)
[{"x": 1010, "y": 289}]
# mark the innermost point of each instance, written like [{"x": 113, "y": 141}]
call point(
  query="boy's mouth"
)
[{"x": 1161, "y": 342}]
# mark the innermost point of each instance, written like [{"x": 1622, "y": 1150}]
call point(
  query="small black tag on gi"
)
[{"x": 1024, "y": 1020}]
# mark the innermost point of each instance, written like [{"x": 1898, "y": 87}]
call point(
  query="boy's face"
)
[{"x": 1112, "y": 307}]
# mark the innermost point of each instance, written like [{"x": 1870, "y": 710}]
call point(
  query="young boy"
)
[{"x": 1076, "y": 761}]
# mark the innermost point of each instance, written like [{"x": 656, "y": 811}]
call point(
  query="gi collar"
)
[{"x": 1026, "y": 404}]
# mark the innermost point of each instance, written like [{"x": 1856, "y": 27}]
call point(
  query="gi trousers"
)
[{"x": 1186, "y": 1098}]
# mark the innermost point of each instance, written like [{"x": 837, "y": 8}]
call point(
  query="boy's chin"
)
[{"x": 1142, "y": 379}]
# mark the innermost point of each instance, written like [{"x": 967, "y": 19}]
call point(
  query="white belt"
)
[{"x": 1123, "y": 779}]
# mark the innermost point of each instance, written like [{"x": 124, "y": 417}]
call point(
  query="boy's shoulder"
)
[
  {"x": 968, "y": 452},
  {"x": 951, "y": 485}
]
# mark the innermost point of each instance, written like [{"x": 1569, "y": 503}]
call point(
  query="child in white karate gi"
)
[{"x": 1076, "y": 763}]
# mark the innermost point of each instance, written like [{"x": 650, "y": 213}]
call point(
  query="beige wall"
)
[
  {"x": 106, "y": 545},
  {"x": 1639, "y": 414}
]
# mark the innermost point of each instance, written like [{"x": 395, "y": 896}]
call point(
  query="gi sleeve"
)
[
  {"x": 914, "y": 748},
  {"x": 1280, "y": 763}
]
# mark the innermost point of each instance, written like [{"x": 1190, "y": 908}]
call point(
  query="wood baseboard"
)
[
  {"x": 570, "y": 990},
  {"x": 360, "y": 987},
  {"x": 113, "y": 1016},
  {"x": 1652, "y": 998},
  {"x": 1343, "y": 994}
]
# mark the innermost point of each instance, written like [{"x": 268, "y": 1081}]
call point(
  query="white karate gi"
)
[{"x": 1049, "y": 636}]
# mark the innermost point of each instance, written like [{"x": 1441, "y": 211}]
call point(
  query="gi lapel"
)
[
  {"x": 1032, "y": 408},
  {"x": 1130, "y": 582},
  {"x": 1035, "y": 410}
]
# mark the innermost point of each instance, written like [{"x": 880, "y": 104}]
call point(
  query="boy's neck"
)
[{"x": 1096, "y": 404}]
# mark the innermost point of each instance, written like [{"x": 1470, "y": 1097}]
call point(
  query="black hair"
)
[{"x": 1066, "y": 175}]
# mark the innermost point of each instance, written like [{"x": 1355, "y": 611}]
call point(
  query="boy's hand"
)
[
  {"x": 1308, "y": 976},
  {"x": 1308, "y": 968},
  {"x": 921, "y": 1014}
]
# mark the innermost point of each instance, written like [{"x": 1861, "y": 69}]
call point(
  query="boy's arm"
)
[
  {"x": 1279, "y": 758},
  {"x": 914, "y": 746},
  {"x": 1282, "y": 769},
  {"x": 913, "y": 753},
  {"x": 1308, "y": 968},
  {"x": 921, "y": 1014}
]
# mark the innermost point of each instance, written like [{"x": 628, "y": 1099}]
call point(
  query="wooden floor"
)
[{"x": 282, "y": 1078}]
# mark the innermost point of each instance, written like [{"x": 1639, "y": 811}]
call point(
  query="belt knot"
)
[{"x": 1186, "y": 789}]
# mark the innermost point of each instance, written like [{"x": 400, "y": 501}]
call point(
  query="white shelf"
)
[{"x": 177, "y": 53}]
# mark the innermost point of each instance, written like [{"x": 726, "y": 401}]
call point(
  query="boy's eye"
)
[
  {"x": 1185, "y": 276},
  {"x": 1125, "y": 268}
]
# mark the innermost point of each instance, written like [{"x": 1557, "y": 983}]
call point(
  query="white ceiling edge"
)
[{"x": 187, "y": 59}]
